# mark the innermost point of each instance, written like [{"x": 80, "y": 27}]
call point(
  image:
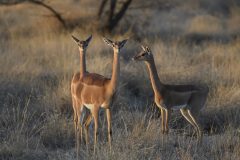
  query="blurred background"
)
[
  {"x": 200, "y": 19},
  {"x": 193, "y": 42}
]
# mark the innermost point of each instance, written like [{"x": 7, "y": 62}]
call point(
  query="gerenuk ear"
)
[
  {"x": 75, "y": 39},
  {"x": 89, "y": 39},
  {"x": 122, "y": 43},
  {"x": 108, "y": 41},
  {"x": 148, "y": 49},
  {"x": 143, "y": 47}
]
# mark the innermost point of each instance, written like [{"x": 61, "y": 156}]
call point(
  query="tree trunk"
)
[
  {"x": 101, "y": 8},
  {"x": 113, "y": 22}
]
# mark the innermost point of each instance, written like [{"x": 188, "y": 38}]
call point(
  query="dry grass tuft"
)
[
  {"x": 205, "y": 24},
  {"x": 37, "y": 65}
]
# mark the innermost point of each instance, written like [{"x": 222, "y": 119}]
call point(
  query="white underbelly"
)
[
  {"x": 179, "y": 107},
  {"x": 89, "y": 106}
]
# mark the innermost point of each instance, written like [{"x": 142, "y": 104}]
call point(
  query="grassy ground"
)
[{"x": 37, "y": 63}]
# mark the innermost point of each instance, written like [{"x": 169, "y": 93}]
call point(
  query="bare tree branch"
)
[
  {"x": 112, "y": 9},
  {"x": 119, "y": 15},
  {"x": 40, "y": 3},
  {"x": 101, "y": 8},
  {"x": 55, "y": 13},
  {"x": 11, "y": 2},
  {"x": 113, "y": 19}
]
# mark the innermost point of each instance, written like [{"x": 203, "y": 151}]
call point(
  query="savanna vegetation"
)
[{"x": 193, "y": 42}]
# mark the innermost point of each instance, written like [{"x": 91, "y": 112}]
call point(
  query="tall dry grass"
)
[{"x": 35, "y": 103}]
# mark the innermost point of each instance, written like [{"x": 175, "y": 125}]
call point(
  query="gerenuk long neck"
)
[
  {"x": 82, "y": 62},
  {"x": 115, "y": 70},
  {"x": 157, "y": 85}
]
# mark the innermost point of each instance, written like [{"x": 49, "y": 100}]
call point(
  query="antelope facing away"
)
[
  {"x": 76, "y": 83},
  {"x": 189, "y": 99},
  {"x": 95, "y": 91}
]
